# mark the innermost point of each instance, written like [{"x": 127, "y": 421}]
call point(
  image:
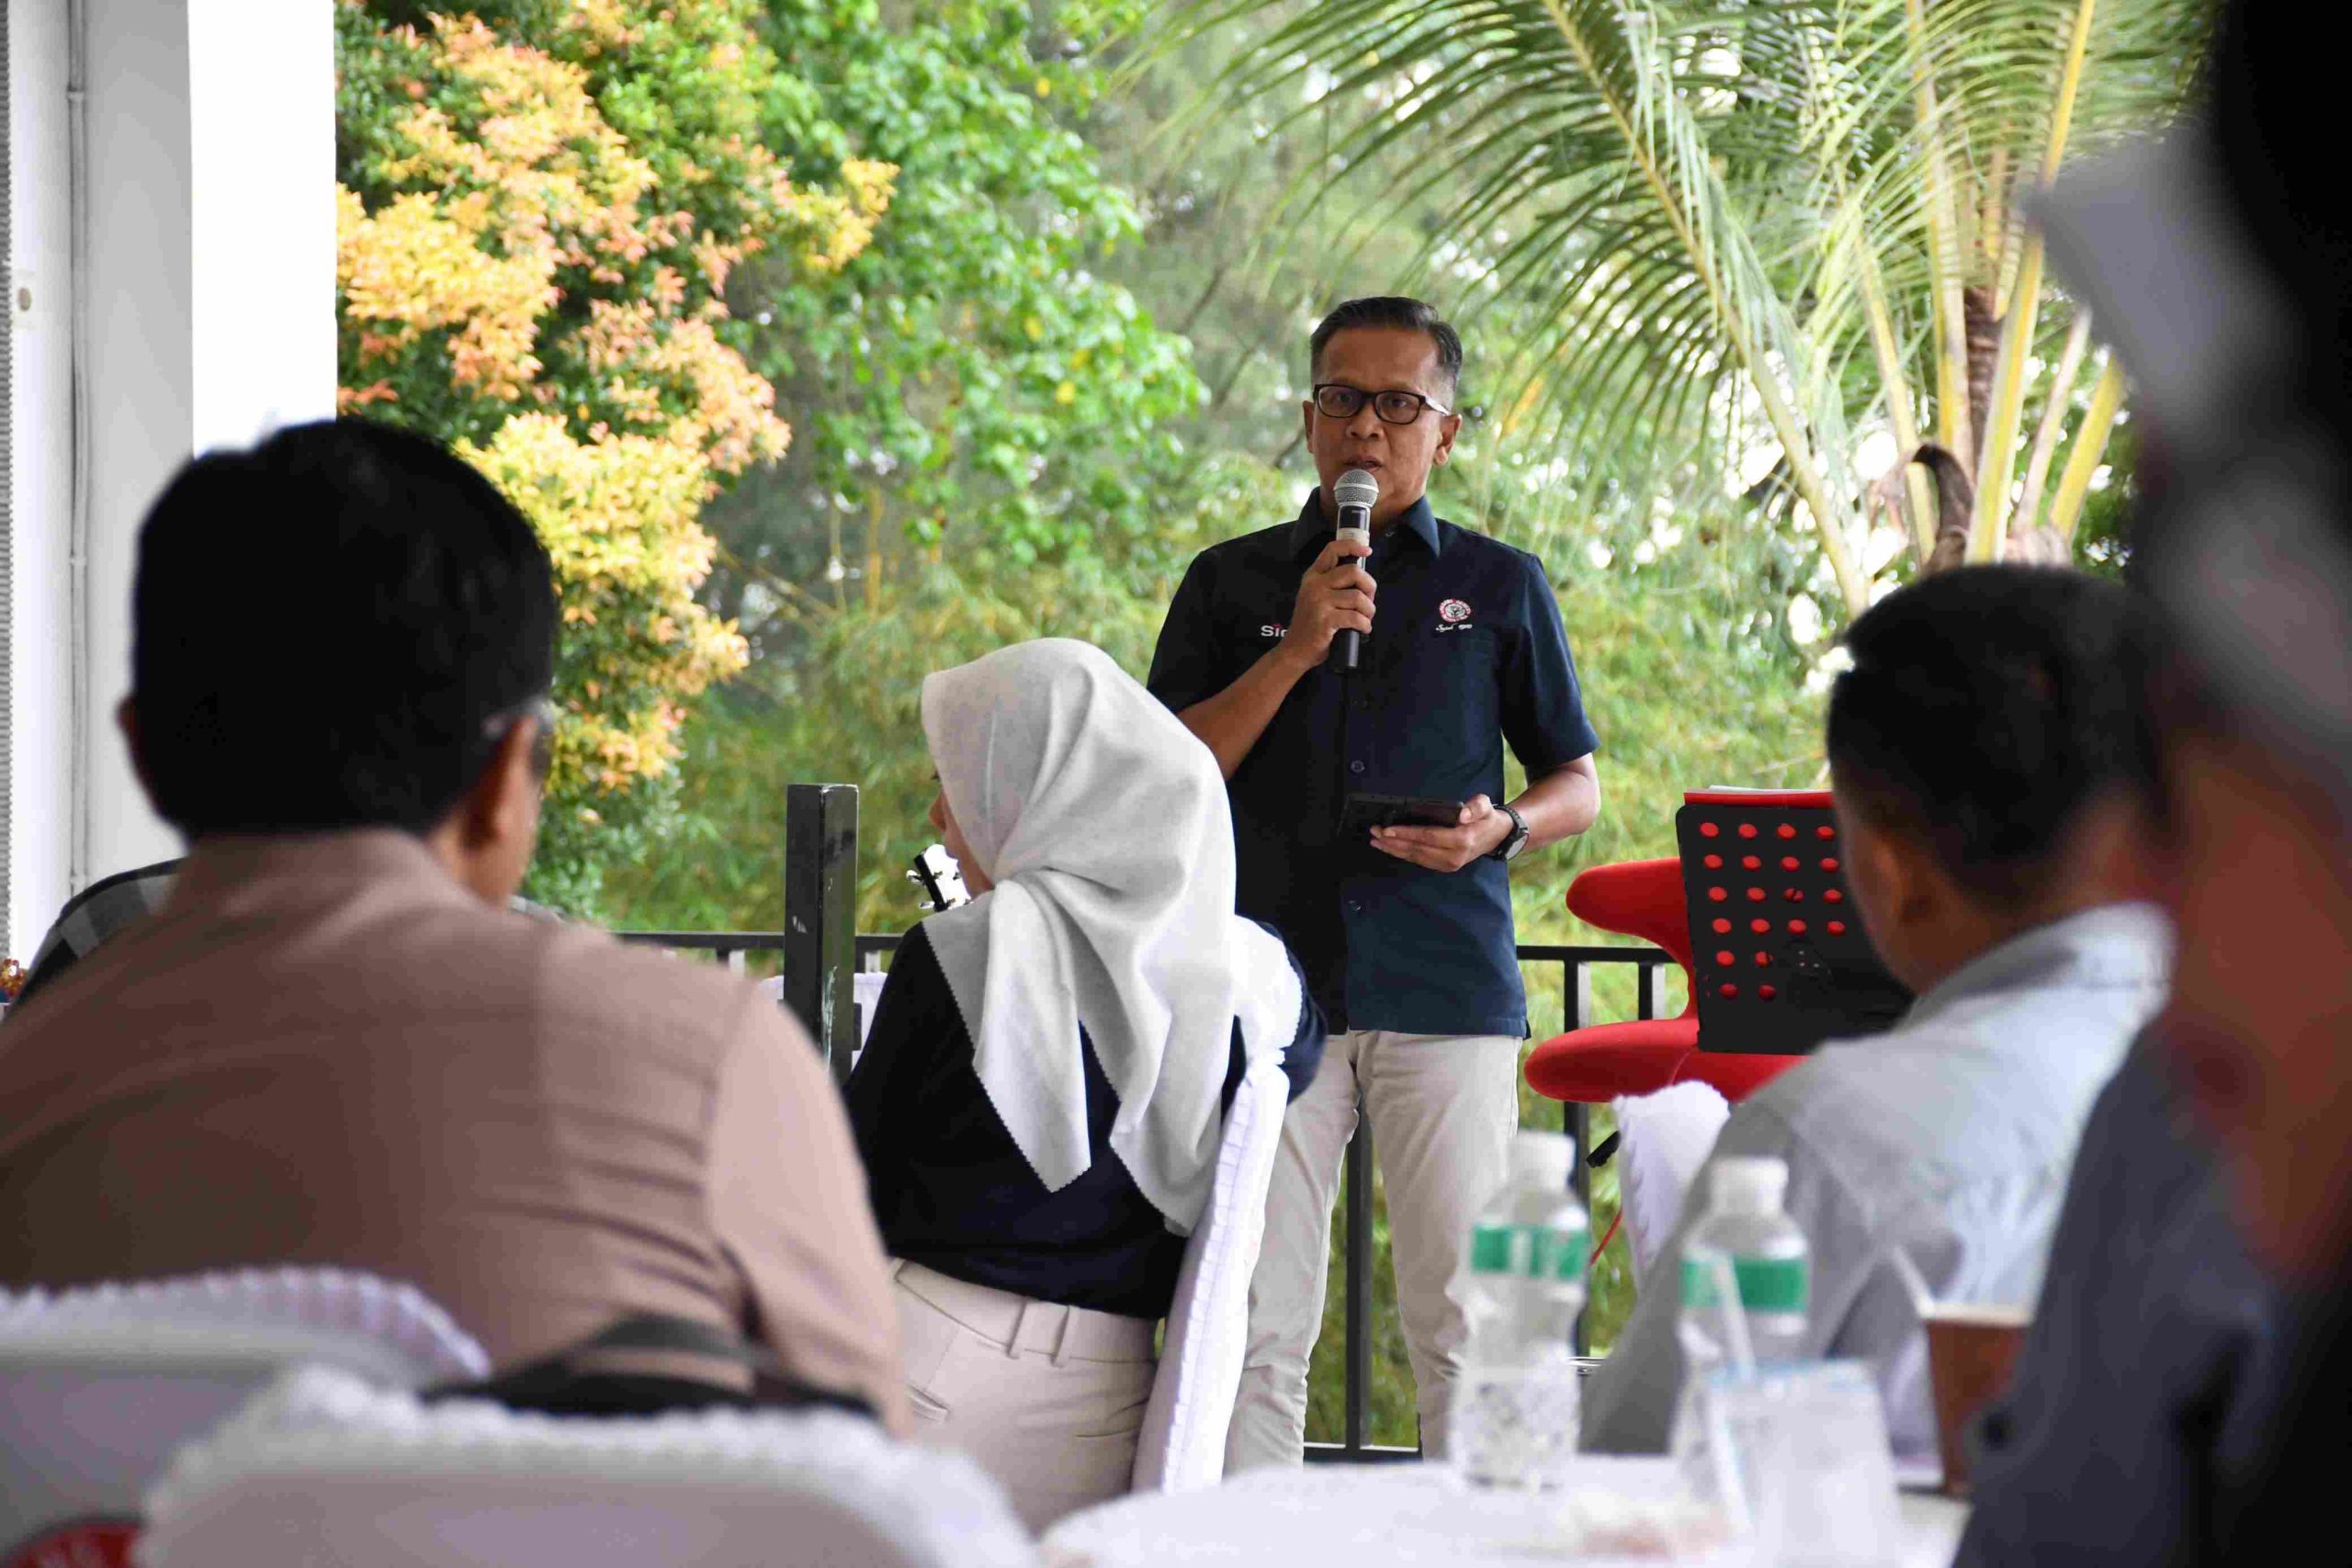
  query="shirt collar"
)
[
  {"x": 2112, "y": 944},
  {"x": 239, "y": 866},
  {"x": 1313, "y": 529}
]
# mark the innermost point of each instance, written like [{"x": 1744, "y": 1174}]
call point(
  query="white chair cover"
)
[
  {"x": 1663, "y": 1139},
  {"x": 323, "y": 1468},
  {"x": 98, "y": 1385},
  {"x": 1183, "y": 1442}
]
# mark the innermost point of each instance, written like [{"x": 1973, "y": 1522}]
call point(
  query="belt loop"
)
[
  {"x": 1061, "y": 1340},
  {"x": 1020, "y": 1322}
]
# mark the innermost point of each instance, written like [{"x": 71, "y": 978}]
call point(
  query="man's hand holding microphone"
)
[
  {"x": 1333, "y": 610},
  {"x": 1335, "y": 595}
]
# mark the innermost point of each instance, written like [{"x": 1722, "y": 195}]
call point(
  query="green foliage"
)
[
  {"x": 972, "y": 389},
  {"x": 846, "y": 710},
  {"x": 1668, "y": 651},
  {"x": 538, "y": 208}
]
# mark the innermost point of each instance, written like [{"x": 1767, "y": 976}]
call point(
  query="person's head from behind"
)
[
  {"x": 1381, "y": 374},
  {"x": 344, "y": 627},
  {"x": 1982, "y": 751},
  {"x": 1052, "y": 759}
]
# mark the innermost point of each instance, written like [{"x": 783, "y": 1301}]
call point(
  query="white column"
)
[
  {"x": 40, "y": 654},
  {"x": 137, "y": 376},
  {"x": 206, "y": 285}
]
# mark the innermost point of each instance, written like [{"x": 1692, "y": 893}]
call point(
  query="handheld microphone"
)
[{"x": 1355, "y": 492}]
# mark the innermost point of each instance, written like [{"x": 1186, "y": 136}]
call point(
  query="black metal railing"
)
[{"x": 729, "y": 949}]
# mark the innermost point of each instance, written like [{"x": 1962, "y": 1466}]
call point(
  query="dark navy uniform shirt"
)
[{"x": 1467, "y": 651}]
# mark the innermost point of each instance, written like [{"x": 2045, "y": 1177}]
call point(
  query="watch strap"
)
[{"x": 1511, "y": 846}]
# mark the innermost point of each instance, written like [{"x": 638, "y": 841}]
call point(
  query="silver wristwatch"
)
[{"x": 1509, "y": 849}]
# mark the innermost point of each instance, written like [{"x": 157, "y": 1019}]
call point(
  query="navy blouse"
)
[{"x": 951, "y": 1191}]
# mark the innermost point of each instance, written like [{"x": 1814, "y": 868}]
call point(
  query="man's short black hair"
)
[
  {"x": 327, "y": 630},
  {"x": 1389, "y": 310},
  {"x": 1986, "y": 709}
]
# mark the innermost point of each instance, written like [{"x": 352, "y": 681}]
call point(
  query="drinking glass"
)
[{"x": 1804, "y": 1464}]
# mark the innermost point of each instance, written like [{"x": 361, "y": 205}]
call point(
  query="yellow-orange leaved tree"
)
[{"x": 541, "y": 283}]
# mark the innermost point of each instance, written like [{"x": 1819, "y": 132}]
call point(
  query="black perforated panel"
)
[{"x": 1779, "y": 960}]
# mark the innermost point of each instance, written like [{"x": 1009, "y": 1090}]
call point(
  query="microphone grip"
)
[{"x": 1347, "y": 644}]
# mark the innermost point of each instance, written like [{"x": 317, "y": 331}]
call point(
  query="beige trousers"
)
[
  {"x": 1049, "y": 1399},
  {"x": 1442, "y": 1110}
]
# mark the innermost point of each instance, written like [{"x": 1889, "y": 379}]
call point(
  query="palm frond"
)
[
  {"x": 1667, "y": 197},
  {"x": 2090, "y": 442}
]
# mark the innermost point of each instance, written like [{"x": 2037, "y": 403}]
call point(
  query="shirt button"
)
[{"x": 1355, "y": 767}]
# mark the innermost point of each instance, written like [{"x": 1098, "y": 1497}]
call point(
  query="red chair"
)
[{"x": 1590, "y": 1066}]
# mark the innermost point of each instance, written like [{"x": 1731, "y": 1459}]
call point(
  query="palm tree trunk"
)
[{"x": 1983, "y": 340}]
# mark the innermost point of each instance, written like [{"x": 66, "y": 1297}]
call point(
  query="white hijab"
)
[{"x": 1102, "y": 822}]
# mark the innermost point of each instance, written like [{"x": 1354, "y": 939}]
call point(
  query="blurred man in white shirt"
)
[{"x": 1981, "y": 749}]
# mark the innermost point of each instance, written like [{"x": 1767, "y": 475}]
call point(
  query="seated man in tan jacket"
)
[{"x": 333, "y": 1044}]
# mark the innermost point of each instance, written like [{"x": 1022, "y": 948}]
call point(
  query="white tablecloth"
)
[{"x": 1376, "y": 1516}]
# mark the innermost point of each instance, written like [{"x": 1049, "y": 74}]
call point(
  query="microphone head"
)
[{"x": 1356, "y": 488}]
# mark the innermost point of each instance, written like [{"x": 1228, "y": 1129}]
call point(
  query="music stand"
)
[{"x": 1779, "y": 960}]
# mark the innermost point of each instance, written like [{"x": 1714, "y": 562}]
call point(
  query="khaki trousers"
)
[
  {"x": 1442, "y": 1110},
  {"x": 1049, "y": 1399}
]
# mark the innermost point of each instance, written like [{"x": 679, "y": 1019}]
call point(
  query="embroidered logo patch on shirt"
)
[{"x": 1452, "y": 611}]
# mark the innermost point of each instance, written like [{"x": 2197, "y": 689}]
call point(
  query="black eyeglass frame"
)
[
  {"x": 1357, "y": 397},
  {"x": 541, "y": 709}
]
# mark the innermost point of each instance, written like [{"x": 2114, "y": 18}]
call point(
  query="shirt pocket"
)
[{"x": 1456, "y": 680}]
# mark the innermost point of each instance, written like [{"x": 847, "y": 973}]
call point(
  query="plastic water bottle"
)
[
  {"x": 1515, "y": 1402},
  {"x": 1747, "y": 1231}
]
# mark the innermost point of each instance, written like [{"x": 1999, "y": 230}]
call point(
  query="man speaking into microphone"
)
[{"x": 1357, "y": 695}]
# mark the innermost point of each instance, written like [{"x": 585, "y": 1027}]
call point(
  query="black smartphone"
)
[{"x": 1362, "y": 813}]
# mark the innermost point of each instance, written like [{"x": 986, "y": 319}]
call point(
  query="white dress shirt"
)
[{"x": 1951, "y": 1135}]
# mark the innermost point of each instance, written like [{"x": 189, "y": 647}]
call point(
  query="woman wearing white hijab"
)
[{"x": 1040, "y": 1097}]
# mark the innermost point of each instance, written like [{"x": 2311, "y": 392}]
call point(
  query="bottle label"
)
[
  {"x": 1530, "y": 1252},
  {"x": 1766, "y": 1284}
]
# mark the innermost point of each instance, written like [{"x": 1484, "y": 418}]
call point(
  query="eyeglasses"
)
[
  {"x": 1337, "y": 399},
  {"x": 541, "y": 711}
]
